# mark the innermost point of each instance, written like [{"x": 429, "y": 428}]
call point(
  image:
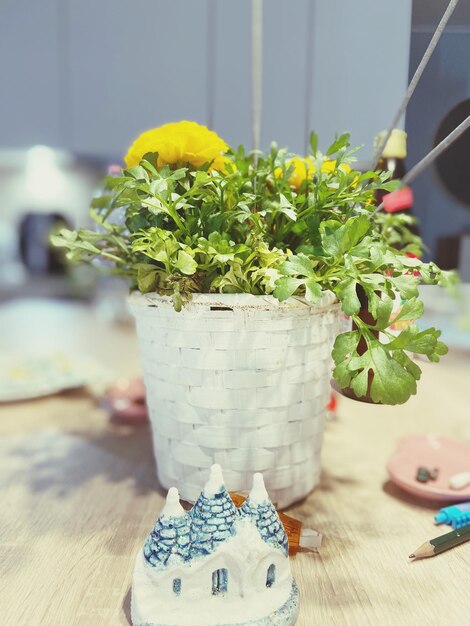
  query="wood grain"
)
[{"x": 78, "y": 497}]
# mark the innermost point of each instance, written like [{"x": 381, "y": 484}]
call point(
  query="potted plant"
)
[{"x": 242, "y": 268}]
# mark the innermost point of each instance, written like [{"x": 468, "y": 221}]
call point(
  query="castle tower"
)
[
  {"x": 213, "y": 515},
  {"x": 169, "y": 540},
  {"x": 259, "y": 507}
]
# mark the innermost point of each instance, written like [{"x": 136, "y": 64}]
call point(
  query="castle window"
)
[
  {"x": 271, "y": 575},
  {"x": 219, "y": 581},
  {"x": 177, "y": 586}
]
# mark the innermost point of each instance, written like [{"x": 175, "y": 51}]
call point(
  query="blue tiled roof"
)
[
  {"x": 170, "y": 537},
  {"x": 178, "y": 537},
  {"x": 212, "y": 521},
  {"x": 267, "y": 522}
]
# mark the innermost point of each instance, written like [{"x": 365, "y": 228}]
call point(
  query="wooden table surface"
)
[{"x": 78, "y": 497}]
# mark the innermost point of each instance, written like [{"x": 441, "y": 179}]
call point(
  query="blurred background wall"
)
[
  {"x": 88, "y": 76},
  {"x": 84, "y": 77}
]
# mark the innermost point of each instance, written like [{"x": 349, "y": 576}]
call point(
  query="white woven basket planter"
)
[{"x": 239, "y": 380}]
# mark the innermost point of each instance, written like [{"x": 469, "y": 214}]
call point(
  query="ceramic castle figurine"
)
[{"x": 215, "y": 565}]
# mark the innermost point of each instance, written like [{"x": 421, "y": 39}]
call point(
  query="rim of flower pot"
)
[{"x": 239, "y": 301}]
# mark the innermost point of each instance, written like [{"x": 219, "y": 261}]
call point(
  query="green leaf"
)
[
  {"x": 392, "y": 384},
  {"x": 331, "y": 235},
  {"x": 149, "y": 162},
  {"x": 146, "y": 277},
  {"x": 376, "y": 254},
  {"x": 407, "y": 285},
  {"x": 299, "y": 265},
  {"x": 314, "y": 142},
  {"x": 137, "y": 222},
  {"x": 353, "y": 231},
  {"x": 408, "y": 261},
  {"x": 411, "y": 310},
  {"x": 374, "y": 299},
  {"x": 360, "y": 383},
  {"x": 154, "y": 205},
  {"x": 345, "y": 345},
  {"x": 403, "y": 359},
  {"x": 422, "y": 342},
  {"x": 393, "y": 373},
  {"x": 101, "y": 202},
  {"x": 384, "y": 310},
  {"x": 346, "y": 292},
  {"x": 338, "y": 240},
  {"x": 178, "y": 174},
  {"x": 364, "y": 250},
  {"x": 286, "y": 287},
  {"x": 286, "y": 207},
  {"x": 342, "y": 374},
  {"x": 138, "y": 172},
  {"x": 63, "y": 238},
  {"x": 313, "y": 291},
  {"x": 340, "y": 142},
  {"x": 158, "y": 186},
  {"x": 185, "y": 263}
]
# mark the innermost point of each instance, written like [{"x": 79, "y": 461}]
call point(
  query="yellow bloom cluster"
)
[
  {"x": 183, "y": 143},
  {"x": 305, "y": 168},
  {"x": 180, "y": 143},
  {"x": 329, "y": 166}
]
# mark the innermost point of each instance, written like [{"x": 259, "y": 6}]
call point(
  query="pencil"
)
[{"x": 442, "y": 543}]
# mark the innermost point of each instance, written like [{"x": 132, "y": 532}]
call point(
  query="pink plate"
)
[{"x": 430, "y": 451}]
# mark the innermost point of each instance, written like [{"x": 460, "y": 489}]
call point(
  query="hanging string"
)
[
  {"x": 415, "y": 80},
  {"x": 211, "y": 60},
  {"x": 431, "y": 156},
  {"x": 257, "y": 69},
  {"x": 309, "y": 73}
]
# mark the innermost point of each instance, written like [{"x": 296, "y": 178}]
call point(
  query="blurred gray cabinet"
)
[
  {"x": 30, "y": 88},
  {"x": 445, "y": 84},
  {"x": 360, "y": 74},
  {"x": 89, "y": 75},
  {"x": 134, "y": 65}
]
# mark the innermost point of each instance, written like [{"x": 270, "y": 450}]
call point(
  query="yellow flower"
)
[
  {"x": 329, "y": 166},
  {"x": 180, "y": 143},
  {"x": 303, "y": 169}
]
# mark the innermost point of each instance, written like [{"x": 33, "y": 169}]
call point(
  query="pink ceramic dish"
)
[{"x": 430, "y": 451}]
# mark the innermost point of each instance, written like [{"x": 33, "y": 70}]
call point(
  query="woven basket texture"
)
[{"x": 239, "y": 380}]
